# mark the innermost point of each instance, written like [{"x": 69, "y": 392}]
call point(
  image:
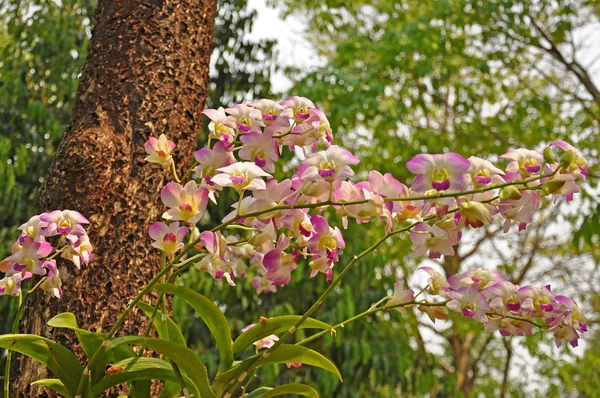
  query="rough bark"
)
[{"x": 146, "y": 74}]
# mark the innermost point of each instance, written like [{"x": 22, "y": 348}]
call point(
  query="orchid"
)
[
  {"x": 245, "y": 117},
  {"x": 261, "y": 149},
  {"x": 470, "y": 302},
  {"x": 300, "y": 107},
  {"x": 400, "y": 296},
  {"x": 217, "y": 262},
  {"x": 168, "y": 238},
  {"x": 265, "y": 342},
  {"x": 79, "y": 250},
  {"x": 273, "y": 113},
  {"x": 436, "y": 282},
  {"x": 325, "y": 240},
  {"x": 447, "y": 172},
  {"x": 524, "y": 162},
  {"x": 280, "y": 264},
  {"x": 186, "y": 203},
  {"x": 329, "y": 165},
  {"x": 241, "y": 176},
  {"x": 53, "y": 283},
  {"x": 11, "y": 285},
  {"x": 63, "y": 222},
  {"x": 209, "y": 160},
  {"x": 280, "y": 224},
  {"x": 32, "y": 228},
  {"x": 431, "y": 239},
  {"x": 519, "y": 210},
  {"x": 160, "y": 151},
  {"x": 29, "y": 258},
  {"x": 484, "y": 172},
  {"x": 573, "y": 161},
  {"x": 221, "y": 126},
  {"x": 273, "y": 194}
]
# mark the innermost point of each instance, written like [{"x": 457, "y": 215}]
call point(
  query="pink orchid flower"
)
[
  {"x": 440, "y": 172},
  {"x": 483, "y": 172},
  {"x": 300, "y": 107},
  {"x": 524, "y": 163},
  {"x": 65, "y": 222},
  {"x": 53, "y": 283},
  {"x": 242, "y": 176},
  {"x": 431, "y": 239},
  {"x": 33, "y": 228},
  {"x": 400, "y": 296},
  {"x": 273, "y": 113},
  {"x": 217, "y": 263},
  {"x": 221, "y": 126},
  {"x": 470, "y": 302},
  {"x": 520, "y": 210},
  {"x": 577, "y": 165},
  {"x": 246, "y": 118},
  {"x": 79, "y": 251},
  {"x": 168, "y": 238},
  {"x": 329, "y": 165},
  {"x": 11, "y": 285},
  {"x": 28, "y": 258},
  {"x": 185, "y": 203},
  {"x": 160, "y": 151},
  {"x": 209, "y": 160},
  {"x": 261, "y": 149},
  {"x": 279, "y": 264}
]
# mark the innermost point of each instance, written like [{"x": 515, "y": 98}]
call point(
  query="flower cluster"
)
[
  {"x": 42, "y": 238},
  {"x": 488, "y": 298},
  {"x": 283, "y": 220}
]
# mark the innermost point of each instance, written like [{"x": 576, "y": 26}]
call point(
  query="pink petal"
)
[{"x": 171, "y": 194}]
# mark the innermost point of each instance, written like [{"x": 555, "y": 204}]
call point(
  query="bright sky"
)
[{"x": 292, "y": 47}]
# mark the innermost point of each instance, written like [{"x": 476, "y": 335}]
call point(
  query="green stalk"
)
[{"x": 14, "y": 330}]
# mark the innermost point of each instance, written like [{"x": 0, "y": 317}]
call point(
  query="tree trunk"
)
[{"x": 146, "y": 74}]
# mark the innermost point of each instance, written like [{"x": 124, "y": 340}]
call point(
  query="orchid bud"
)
[
  {"x": 475, "y": 214},
  {"x": 548, "y": 155},
  {"x": 510, "y": 192},
  {"x": 567, "y": 158},
  {"x": 552, "y": 186}
]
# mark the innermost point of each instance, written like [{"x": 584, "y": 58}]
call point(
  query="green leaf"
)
[
  {"x": 285, "y": 353},
  {"x": 141, "y": 368},
  {"x": 61, "y": 361},
  {"x": 91, "y": 342},
  {"x": 54, "y": 384},
  {"x": 259, "y": 392},
  {"x": 274, "y": 325},
  {"x": 185, "y": 358},
  {"x": 298, "y": 389},
  {"x": 211, "y": 315},
  {"x": 173, "y": 332}
]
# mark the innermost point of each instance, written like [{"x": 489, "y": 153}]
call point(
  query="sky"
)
[{"x": 292, "y": 47}]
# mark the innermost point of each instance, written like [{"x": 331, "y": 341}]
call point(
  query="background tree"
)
[{"x": 471, "y": 77}]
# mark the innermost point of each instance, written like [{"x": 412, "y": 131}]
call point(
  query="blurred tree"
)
[{"x": 475, "y": 77}]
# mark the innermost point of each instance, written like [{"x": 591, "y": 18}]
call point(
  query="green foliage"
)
[
  {"x": 403, "y": 77},
  {"x": 61, "y": 361},
  {"x": 212, "y": 317},
  {"x": 298, "y": 389},
  {"x": 270, "y": 326},
  {"x": 142, "y": 368}
]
